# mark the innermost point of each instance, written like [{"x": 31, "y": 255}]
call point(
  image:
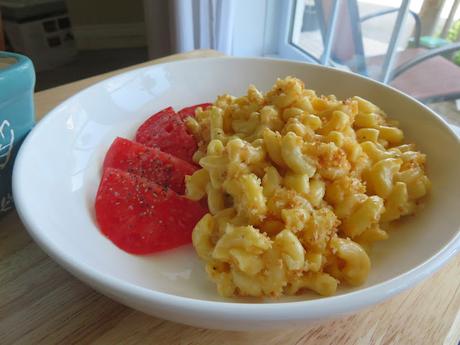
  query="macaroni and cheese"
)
[{"x": 298, "y": 187}]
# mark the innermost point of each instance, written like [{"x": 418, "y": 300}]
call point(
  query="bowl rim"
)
[{"x": 289, "y": 310}]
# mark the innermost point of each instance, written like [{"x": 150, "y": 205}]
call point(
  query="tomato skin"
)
[
  {"x": 141, "y": 217},
  {"x": 137, "y": 204},
  {"x": 149, "y": 162},
  {"x": 190, "y": 111},
  {"x": 166, "y": 131}
]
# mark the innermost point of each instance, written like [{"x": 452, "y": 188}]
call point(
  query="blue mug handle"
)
[{"x": 17, "y": 82}]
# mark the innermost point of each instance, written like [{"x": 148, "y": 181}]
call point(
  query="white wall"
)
[{"x": 249, "y": 27}]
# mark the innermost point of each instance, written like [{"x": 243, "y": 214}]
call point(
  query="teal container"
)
[{"x": 17, "y": 81}]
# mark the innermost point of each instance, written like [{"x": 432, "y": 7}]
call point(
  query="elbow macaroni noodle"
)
[{"x": 298, "y": 186}]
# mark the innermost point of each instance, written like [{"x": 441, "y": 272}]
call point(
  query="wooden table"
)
[{"x": 40, "y": 303}]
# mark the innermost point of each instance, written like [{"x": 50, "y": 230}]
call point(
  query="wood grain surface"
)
[{"x": 40, "y": 303}]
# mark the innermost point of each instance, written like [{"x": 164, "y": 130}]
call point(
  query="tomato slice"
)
[
  {"x": 140, "y": 217},
  {"x": 166, "y": 131},
  {"x": 149, "y": 162},
  {"x": 190, "y": 111}
]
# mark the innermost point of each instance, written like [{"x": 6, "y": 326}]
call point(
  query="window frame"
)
[{"x": 291, "y": 10}]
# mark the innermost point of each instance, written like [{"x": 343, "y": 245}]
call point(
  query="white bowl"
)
[{"x": 58, "y": 169}]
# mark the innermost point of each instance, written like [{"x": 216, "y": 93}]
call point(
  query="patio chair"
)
[{"x": 423, "y": 74}]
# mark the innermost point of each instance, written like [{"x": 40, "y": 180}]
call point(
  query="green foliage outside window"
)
[
  {"x": 454, "y": 32},
  {"x": 454, "y": 36}
]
